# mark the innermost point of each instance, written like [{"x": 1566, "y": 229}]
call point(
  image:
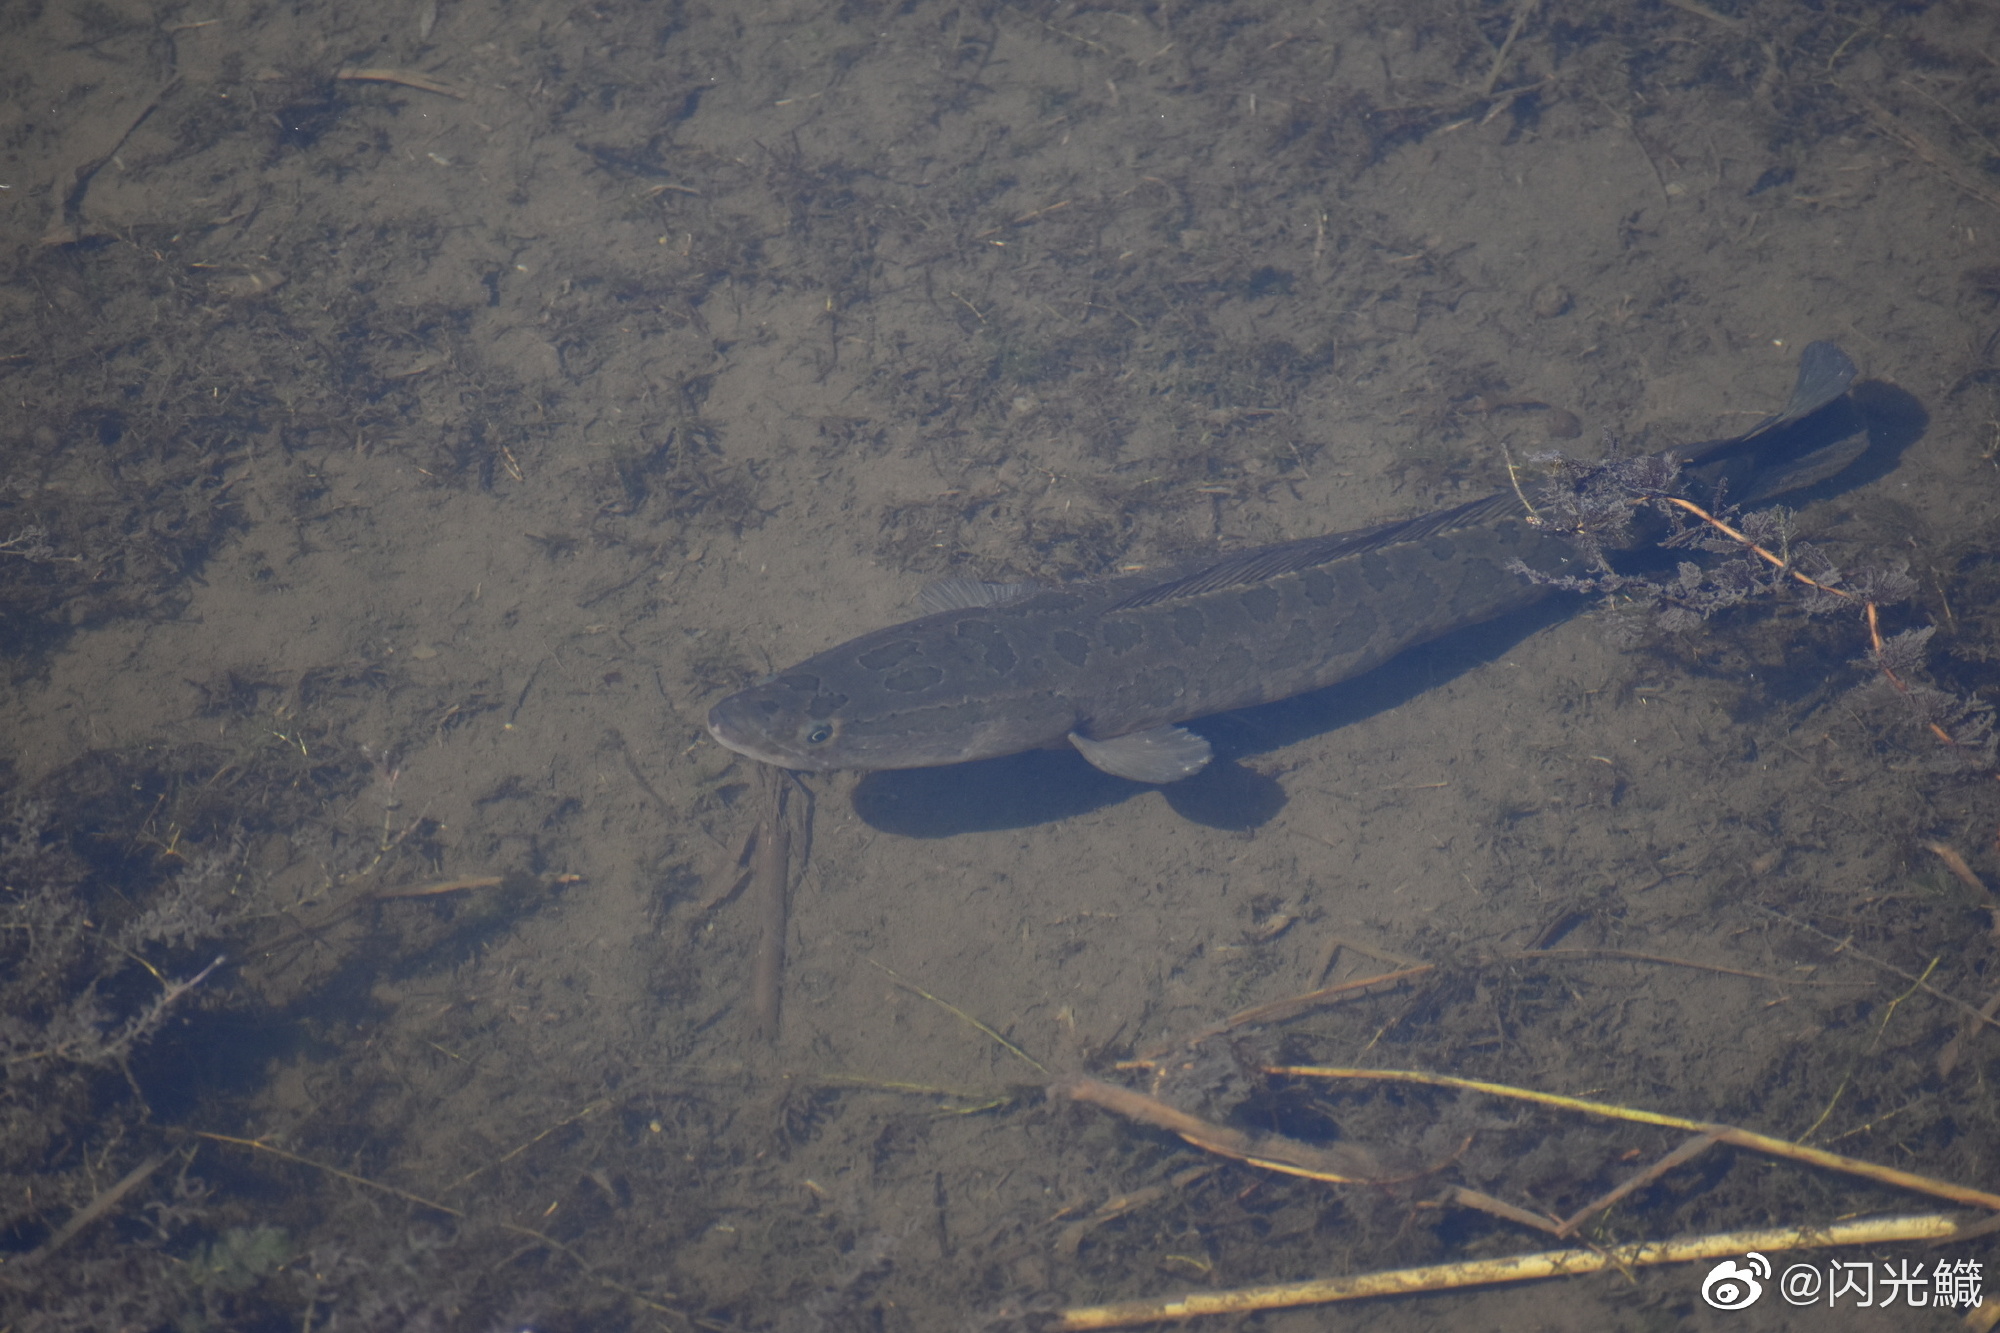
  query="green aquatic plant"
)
[{"x": 238, "y": 1259}]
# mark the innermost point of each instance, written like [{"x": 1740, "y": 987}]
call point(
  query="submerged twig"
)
[
  {"x": 259, "y": 1145},
  {"x": 1522, "y": 13},
  {"x": 1687, "y": 1152},
  {"x": 962, "y": 1016},
  {"x": 404, "y": 78},
  {"x": 770, "y": 878},
  {"x": 540, "y": 1238},
  {"x": 1338, "y": 1163},
  {"x": 1923, "y": 149},
  {"x": 1847, "y": 947},
  {"x": 96, "y": 1208},
  {"x": 1741, "y": 1138}
]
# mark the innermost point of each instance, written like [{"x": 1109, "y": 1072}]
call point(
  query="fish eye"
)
[{"x": 820, "y": 734}]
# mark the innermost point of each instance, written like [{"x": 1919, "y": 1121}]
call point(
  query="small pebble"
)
[
  {"x": 248, "y": 282},
  {"x": 1562, "y": 425},
  {"x": 1550, "y": 299}
]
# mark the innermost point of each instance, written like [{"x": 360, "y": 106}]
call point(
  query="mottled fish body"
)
[
  {"x": 1112, "y": 666},
  {"x": 1102, "y": 660}
]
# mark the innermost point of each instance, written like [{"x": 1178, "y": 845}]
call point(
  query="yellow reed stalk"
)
[{"x": 1520, "y": 1268}]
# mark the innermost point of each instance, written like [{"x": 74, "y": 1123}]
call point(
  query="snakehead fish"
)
[{"x": 1112, "y": 666}]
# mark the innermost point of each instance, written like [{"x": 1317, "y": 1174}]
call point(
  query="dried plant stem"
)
[
  {"x": 359, "y": 901},
  {"x": 770, "y": 877},
  {"x": 1338, "y": 1164},
  {"x": 1778, "y": 561},
  {"x": 1520, "y": 1268},
  {"x": 1522, "y": 13},
  {"x": 112, "y": 1047},
  {"x": 1954, "y": 1049},
  {"x": 1958, "y": 866},
  {"x": 406, "y": 78},
  {"x": 1923, "y": 149},
  {"x": 1846, "y": 946},
  {"x": 961, "y": 1016},
  {"x": 1482, "y": 1202},
  {"x": 588, "y": 1111},
  {"x": 1319, "y": 1163},
  {"x": 1277, "y": 1011},
  {"x": 1687, "y": 1152},
  {"x": 335, "y": 1171},
  {"x": 1741, "y": 1138},
  {"x": 1633, "y": 956},
  {"x": 1847, "y": 1079},
  {"x": 420, "y": 1201},
  {"x": 1274, "y": 1011},
  {"x": 96, "y": 1208},
  {"x": 460, "y": 885},
  {"x": 1874, "y": 621}
]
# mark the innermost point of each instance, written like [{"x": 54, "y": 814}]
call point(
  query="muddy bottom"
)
[{"x": 421, "y": 415}]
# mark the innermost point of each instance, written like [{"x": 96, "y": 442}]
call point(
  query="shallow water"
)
[{"x": 426, "y": 462}]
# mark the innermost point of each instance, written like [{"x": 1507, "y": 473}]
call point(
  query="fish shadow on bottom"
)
[{"x": 1043, "y": 786}]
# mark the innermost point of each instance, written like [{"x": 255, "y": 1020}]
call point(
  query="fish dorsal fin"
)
[
  {"x": 1269, "y": 562},
  {"x": 956, "y": 594}
]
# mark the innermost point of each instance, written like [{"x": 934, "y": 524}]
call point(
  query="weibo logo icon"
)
[{"x": 1730, "y": 1286}]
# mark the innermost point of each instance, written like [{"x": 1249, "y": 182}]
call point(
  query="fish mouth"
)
[
  {"x": 749, "y": 742},
  {"x": 749, "y": 749}
]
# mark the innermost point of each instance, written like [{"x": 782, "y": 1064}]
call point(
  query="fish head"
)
[
  {"x": 800, "y": 720},
  {"x": 913, "y": 696},
  {"x": 943, "y": 689},
  {"x": 790, "y": 720}
]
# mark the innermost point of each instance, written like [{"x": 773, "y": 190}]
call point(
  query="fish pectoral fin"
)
[
  {"x": 956, "y": 594},
  {"x": 1163, "y": 754}
]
